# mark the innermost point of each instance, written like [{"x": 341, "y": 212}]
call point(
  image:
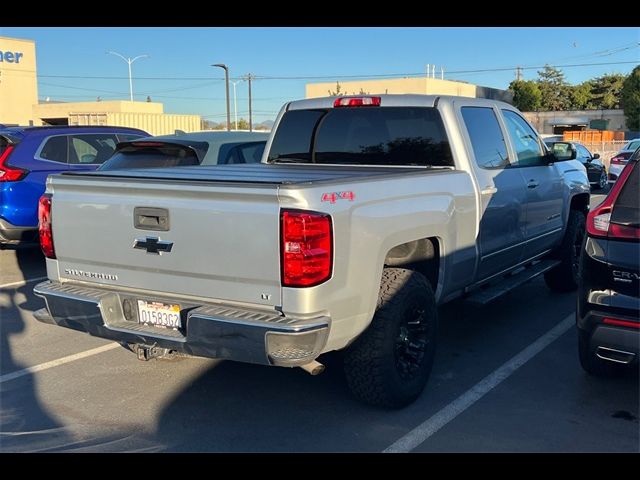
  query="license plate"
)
[{"x": 159, "y": 314}]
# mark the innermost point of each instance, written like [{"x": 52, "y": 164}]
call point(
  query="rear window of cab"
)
[{"x": 407, "y": 136}]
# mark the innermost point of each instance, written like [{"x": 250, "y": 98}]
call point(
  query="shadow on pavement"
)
[
  {"x": 25, "y": 424},
  {"x": 235, "y": 407}
]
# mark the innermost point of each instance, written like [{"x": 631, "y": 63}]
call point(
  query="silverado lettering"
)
[{"x": 81, "y": 273}]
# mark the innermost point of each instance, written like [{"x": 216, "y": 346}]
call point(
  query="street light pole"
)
[
  {"x": 249, "y": 77},
  {"x": 129, "y": 62},
  {"x": 226, "y": 81},
  {"x": 235, "y": 103}
]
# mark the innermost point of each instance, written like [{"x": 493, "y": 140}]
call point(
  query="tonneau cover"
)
[{"x": 254, "y": 173}]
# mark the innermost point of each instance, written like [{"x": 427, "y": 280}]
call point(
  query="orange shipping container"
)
[{"x": 592, "y": 136}]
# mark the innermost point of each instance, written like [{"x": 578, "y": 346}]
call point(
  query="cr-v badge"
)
[{"x": 153, "y": 245}]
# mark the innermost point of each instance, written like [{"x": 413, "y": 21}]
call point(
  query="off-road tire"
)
[
  {"x": 564, "y": 277},
  {"x": 389, "y": 364}
]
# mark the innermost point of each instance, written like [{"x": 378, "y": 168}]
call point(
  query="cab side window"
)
[
  {"x": 525, "y": 141},
  {"x": 486, "y": 137}
]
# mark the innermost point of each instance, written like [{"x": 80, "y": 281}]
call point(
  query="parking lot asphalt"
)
[{"x": 506, "y": 379}]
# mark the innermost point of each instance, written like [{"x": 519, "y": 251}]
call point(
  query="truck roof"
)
[{"x": 396, "y": 100}]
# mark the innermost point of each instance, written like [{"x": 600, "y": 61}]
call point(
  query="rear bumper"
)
[
  {"x": 11, "y": 234},
  {"x": 607, "y": 341},
  {"x": 620, "y": 344},
  {"x": 214, "y": 331}
]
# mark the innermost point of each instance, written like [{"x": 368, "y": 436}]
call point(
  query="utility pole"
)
[
  {"x": 226, "y": 81},
  {"x": 235, "y": 103},
  {"x": 249, "y": 77},
  {"x": 518, "y": 73}
]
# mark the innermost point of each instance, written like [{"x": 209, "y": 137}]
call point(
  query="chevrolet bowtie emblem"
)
[{"x": 153, "y": 245}]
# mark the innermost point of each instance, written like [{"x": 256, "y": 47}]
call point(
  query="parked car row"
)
[
  {"x": 260, "y": 269},
  {"x": 28, "y": 155}
]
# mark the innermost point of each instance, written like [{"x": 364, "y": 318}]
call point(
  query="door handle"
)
[
  {"x": 147, "y": 218},
  {"x": 532, "y": 184}
]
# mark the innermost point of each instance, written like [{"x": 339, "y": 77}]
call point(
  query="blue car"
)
[{"x": 29, "y": 154}]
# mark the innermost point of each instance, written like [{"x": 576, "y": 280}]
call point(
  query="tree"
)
[
  {"x": 581, "y": 96},
  {"x": 630, "y": 99},
  {"x": 606, "y": 89},
  {"x": 338, "y": 91},
  {"x": 243, "y": 124},
  {"x": 209, "y": 125},
  {"x": 553, "y": 88},
  {"x": 526, "y": 95}
]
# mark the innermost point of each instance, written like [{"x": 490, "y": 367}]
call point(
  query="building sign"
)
[{"x": 10, "y": 57}]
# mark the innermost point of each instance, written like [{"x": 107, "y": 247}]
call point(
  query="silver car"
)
[
  {"x": 621, "y": 158},
  {"x": 184, "y": 149}
]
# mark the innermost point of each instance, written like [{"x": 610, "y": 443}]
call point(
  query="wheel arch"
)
[{"x": 421, "y": 255}]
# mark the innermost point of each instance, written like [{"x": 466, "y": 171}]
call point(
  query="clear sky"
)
[{"x": 180, "y": 59}]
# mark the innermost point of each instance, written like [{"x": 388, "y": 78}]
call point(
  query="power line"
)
[
  {"x": 313, "y": 77},
  {"x": 482, "y": 70},
  {"x": 600, "y": 53},
  {"x": 146, "y": 93}
]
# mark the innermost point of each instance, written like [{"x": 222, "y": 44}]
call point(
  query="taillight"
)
[
  {"x": 44, "y": 226},
  {"x": 624, "y": 231},
  {"x": 618, "y": 160},
  {"x": 7, "y": 172},
  {"x": 357, "y": 102},
  {"x": 306, "y": 248},
  {"x": 620, "y": 323},
  {"x": 599, "y": 219}
]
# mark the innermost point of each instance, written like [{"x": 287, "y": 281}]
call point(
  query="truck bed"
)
[{"x": 259, "y": 173}]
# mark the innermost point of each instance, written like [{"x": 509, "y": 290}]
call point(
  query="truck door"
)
[
  {"x": 543, "y": 185},
  {"x": 502, "y": 191}
]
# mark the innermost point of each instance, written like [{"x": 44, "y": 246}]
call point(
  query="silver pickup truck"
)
[{"x": 364, "y": 215}]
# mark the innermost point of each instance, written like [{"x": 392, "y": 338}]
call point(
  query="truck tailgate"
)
[{"x": 220, "y": 233}]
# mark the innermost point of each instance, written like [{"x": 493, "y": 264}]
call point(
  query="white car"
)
[
  {"x": 622, "y": 157},
  {"x": 182, "y": 149}
]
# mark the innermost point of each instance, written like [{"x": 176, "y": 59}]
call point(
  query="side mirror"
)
[
  {"x": 596, "y": 156},
  {"x": 563, "y": 151}
]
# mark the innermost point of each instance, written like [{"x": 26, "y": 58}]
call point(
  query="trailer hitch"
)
[{"x": 146, "y": 352}]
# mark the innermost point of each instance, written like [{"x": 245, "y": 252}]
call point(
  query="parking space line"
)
[
  {"x": 22, "y": 282},
  {"x": 426, "y": 429},
  {"x": 58, "y": 362}
]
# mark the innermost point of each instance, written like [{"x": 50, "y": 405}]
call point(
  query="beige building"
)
[
  {"x": 18, "y": 81},
  {"x": 19, "y": 100},
  {"x": 420, "y": 85},
  {"x": 148, "y": 116}
]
